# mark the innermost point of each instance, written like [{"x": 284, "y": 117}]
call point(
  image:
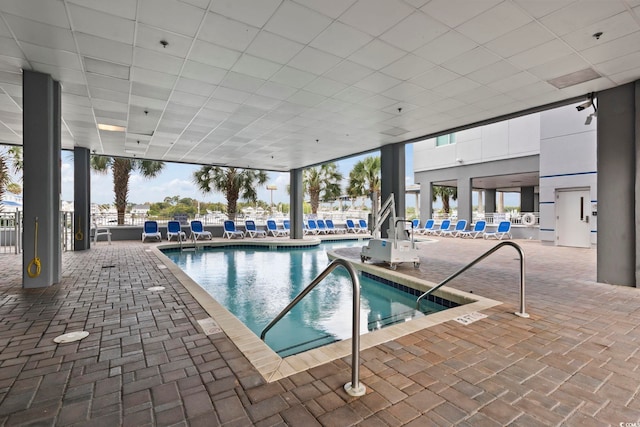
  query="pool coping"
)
[{"x": 268, "y": 363}]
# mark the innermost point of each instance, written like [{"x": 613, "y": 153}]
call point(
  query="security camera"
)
[{"x": 584, "y": 105}]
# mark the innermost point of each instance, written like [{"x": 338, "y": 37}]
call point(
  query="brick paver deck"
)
[{"x": 575, "y": 362}]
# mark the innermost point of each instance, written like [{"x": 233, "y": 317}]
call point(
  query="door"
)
[{"x": 573, "y": 211}]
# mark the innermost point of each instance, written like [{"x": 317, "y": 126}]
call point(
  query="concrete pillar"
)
[
  {"x": 296, "y": 198},
  {"x": 527, "y": 199},
  {"x": 392, "y": 180},
  {"x": 480, "y": 201},
  {"x": 465, "y": 202},
  {"x": 490, "y": 200},
  {"x": 618, "y": 185},
  {"x": 81, "y": 199},
  {"x": 426, "y": 201},
  {"x": 41, "y": 151},
  {"x": 500, "y": 202}
]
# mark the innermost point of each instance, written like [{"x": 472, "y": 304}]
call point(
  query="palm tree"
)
[
  {"x": 321, "y": 184},
  {"x": 364, "y": 179},
  {"x": 11, "y": 159},
  {"x": 234, "y": 183},
  {"x": 121, "y": 169},
  {"x": 445, "y": 193}
]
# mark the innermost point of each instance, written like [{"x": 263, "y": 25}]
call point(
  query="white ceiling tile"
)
[
  {"x": 613, "y": 49},
  {"x": 49, "y": 12},
  {"x": 445, "y": 47},
  {"x": 150, "y": 37},
  {"x": 581, "y": 14},
  {"x": 97, "y": 47},
  {"x": 276, "y": 90},
  {"x": 484, "y": 28},
  {"x": 104, "y": 82},
  {"x": 232, "y": 95},
  {"x": 227, "y": 32},
  {"x": 378, "y": 102},
  {"x": 241, "y": 82},
  {"x": 455, "y": 87},
  {"x": 532, "y": 90},
  {"x": 255, "y": 13},
  {"x": 109, "y": 95},
  {"x": 523, "y": 38},
  {"x": 626, "y": 76},
  {"x": 308, "y": 99},
  {"x": 407, "y": 67},
  {"x": 256, "y": 67},
  {"x": 540, "y": 54},
  {"x": 377, "y": 55},
  {"x": 122, "y": 8},
  {"x": 612, "y": 28},
  {"x": 188, "y": 99},
  {"x": 471, "y": 61},
  {"x": 273, "y": 47},
  {"x": 194, "y": 86},
  {"x": 206, "y": 73},
  {"x": 348, "y": 72},
  {"x": 49, "y": 56},
  {"x": 106, "y": 68},
  {"x": 353, "y": 94},
  {"x": 100, "y": 24},
  {"x": 215, "y": 55},
  {"x": 9, "y": 47},
  {"x": 313, "y": 61},
  {"x": 416, "y": 3},
  {"x": 148, "y": 91},
  {"x": 202, "y": 4},
  {"x": 153, "y": 60},
  {"x": 377, "y": 83},
  {"x": 493, "y": 72},
  {"x": 414, "y": 31},
  {"x": 434, "y": 77},
  {"x": 331, "y": 8},
  {"x": 292, "y": 77},
  {"x": 374, "y": 17},
  {"x": 154, "y": 78},
  {"x": 40, "y": 34},
  {"x": 262, "y": 102},
  {"x": 621, "y": 64},
  {"x": 455, "y": 12},
  {"x": 340, "y": 39},
  {"x": 559, "y": 67},
  {"x": 324, "y": 86},
  {"x": 170, "y": 15},
  {"x": 297, "y": 22},
  {"x": 510, "y": 83},
  {"x": 404, "y": 91},
  {"x": 541, "y": 8},
  {"x": 15, "y": 65}
]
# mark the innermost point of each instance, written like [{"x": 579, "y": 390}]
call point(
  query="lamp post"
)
[{"x": 271, "y": 188}]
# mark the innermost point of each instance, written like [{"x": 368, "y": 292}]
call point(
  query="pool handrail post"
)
[
  {"x": 354, "y": 387},
  {"x": 520, "y": 313}
]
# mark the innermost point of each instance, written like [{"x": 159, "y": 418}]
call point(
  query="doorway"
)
[{"x": 573, "y": 214}]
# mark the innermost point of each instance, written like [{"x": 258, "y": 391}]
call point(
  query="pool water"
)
[{"x": 256, "y": 283}]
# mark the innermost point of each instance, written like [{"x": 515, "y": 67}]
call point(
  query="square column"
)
[
  {"x": 490, "y": 200},
  {"x": 296, "y": 198},
  {"x": 465, "y": 204},
  {"x": 392, "y": 179},
  {"x": 426, "y": 201},
  {"x": 42, "y": 253},
  {"x": 81, "y": 199},
  {"x": 527, "y": 199}
]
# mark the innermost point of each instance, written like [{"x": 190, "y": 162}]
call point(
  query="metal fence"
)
[{"x": 11, "y": 232}]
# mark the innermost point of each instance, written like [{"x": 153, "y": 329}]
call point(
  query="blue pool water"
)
[{"x": 256, "y": 283}]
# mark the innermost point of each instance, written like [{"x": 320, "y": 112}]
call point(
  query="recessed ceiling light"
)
[{"x": 111, "y": 128}]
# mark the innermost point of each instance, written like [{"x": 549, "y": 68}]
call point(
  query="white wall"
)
[
  {"x": 512, "y": 138},
  {"x": 567, "y": 161}
]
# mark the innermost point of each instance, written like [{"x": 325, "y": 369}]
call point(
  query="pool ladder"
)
[
  {"x": 522, "y": 312},
  {"x": 353, "y": 388}
]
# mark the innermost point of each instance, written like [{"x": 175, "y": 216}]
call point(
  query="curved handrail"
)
[
  {"x": 353, "y": 388},
  {"x": 522, "y": 312}
]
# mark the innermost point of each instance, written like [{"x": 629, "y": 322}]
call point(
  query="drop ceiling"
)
[{"x": 282, "y": 84}]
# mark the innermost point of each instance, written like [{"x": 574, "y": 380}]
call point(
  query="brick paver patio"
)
[{"x": 146, "y": 361}]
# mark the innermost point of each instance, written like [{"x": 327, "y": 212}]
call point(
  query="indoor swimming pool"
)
[{"x": 256, "y": 283}]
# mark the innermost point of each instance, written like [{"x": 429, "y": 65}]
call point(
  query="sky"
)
[{"x": 177, "y": 180}]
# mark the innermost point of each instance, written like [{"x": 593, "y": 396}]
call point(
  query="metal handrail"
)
[
  {"x": 522, "y": 312},
  {"x": 353, "y": 388}
]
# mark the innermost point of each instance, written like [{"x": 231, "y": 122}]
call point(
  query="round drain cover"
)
[
  {"x": 156, "y": 288},
  {"x": 71, "y": 337}
]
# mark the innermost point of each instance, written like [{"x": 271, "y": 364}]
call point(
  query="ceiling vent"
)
[{"x": 574, "y": 78}]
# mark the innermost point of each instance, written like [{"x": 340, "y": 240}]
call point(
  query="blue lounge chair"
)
[
  {"x": 230, "y": 230},
  {"x": 286, "y": 224},
  {"x": 503, "y": 231},
  {"x": 444, "y": 225},
  {"x": 251, "y": 229},
  {"x": 175, "y": 230},
  {"x": 273, "y": 229},
  {"x": 415, "y": 224},
  {"x": 333, "y": 228},
  {"x": 150, "y": 231},
  {"x": 311, "y": 227},
  {"x": 198, "y": 232},
  {"x": 428, "y": 226},
  {"x": 322, "y": 227},
  {"x": 351, "y": 227},
  {"x": 478, "y": 229},
  {"x": 363, "y": 225},
  {"x": 461, "y": 225}
]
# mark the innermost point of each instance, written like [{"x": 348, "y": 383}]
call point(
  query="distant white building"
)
[
  {"x": 11, "y": 202},
  {"x": 548, "y": 157},
  {"x": 140, "y": 210}
]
